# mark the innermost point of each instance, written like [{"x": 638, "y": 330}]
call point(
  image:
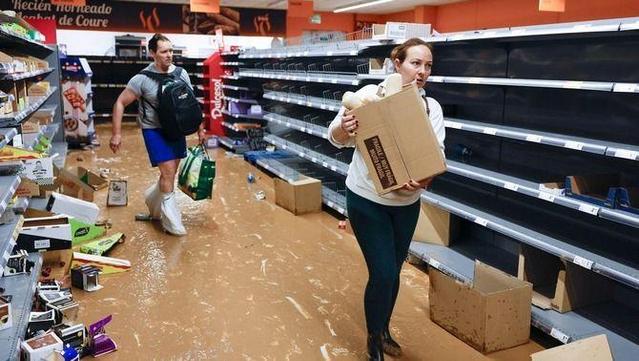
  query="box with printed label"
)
[
  {"x": 397, "y": 141},
  {"x": 395, "y": 30},
  {"x": 43, "y": 234},
  {"x": 491, "y": 314}
]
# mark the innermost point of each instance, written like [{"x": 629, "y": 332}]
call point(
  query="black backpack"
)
[{"x": 179, "y": 111}]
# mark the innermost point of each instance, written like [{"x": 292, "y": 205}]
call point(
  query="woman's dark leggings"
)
[{"x": 384, "y": 234}]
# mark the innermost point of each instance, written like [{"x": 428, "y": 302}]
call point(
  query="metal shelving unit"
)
[
  {"x": 297, "y": 124},
  {"x": 16, "y": 118},
  {"x": 8, "y": 186},
  {"x": 307, "y": 101},
  {"x": 26, "y": 75},
  {"x": 315, "y": 157},
  {"x": 309, "y": 77},
  {"x": 8, "y": 237},
  {"x": 6, "y": 135},
  {"x": 581, "y": 257},
  {"x": 21, "y": 288},
  {"x": 537, "y": 190}
]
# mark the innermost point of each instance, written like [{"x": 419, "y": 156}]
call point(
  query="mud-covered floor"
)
[{"x": 251, "y": 281}]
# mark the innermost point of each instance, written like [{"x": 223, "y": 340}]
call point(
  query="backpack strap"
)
[{"x": 177, "y": 73}]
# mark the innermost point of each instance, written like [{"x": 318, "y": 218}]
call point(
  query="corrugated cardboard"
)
[
  {"x": 397, "y": 141},
  {"x": 594, "y": 348},
  {"x": 558, "y": 284},
  {"x": 58, "y": 263},
  {"x": 299, "y": 197},
  {"x": 433, "y": 225},
  {"x": 81, "y": 185},
  {"x": 491, "y": 315}
]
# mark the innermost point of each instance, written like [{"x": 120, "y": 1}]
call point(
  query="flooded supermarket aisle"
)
[{"x": 250, "y": 281}]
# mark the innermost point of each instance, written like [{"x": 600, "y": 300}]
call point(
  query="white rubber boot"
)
[
  {"x": 171, "y": 215},
  {"x": 153, "y": 200}
]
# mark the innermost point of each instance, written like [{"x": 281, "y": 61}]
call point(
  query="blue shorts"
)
[{"x": 161, "y": 149}]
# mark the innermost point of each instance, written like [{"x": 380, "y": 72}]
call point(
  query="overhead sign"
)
[{"x": 108, "y": 15}]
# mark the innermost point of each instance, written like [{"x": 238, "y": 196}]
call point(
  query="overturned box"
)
[
  {"x": 559, "y": 284},
  {"x": 490, "y": 315},
  {"x": 397, "y": 141},
  {"x": 301, "y": 196}
]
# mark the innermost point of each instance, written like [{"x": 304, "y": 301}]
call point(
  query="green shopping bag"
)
[{"x": 197, "y": 173}]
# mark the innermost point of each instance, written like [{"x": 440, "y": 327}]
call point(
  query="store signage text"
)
[{"x": 80, "y": 16}]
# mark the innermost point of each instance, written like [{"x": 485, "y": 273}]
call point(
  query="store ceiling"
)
[{"x": 321, "y": 5}]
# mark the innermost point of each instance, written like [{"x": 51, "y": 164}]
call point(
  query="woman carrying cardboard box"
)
[{"x": 384, "y": 224}]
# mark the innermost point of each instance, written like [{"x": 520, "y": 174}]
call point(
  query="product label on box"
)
[
  {"x": 396, "y": 30},
  {"x": 380, "y": 161},
  {"x": 39, "y": 170},
  {"x": 42, "y": 243}
]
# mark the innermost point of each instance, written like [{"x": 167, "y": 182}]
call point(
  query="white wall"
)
[{"x": 83, "y": 42}]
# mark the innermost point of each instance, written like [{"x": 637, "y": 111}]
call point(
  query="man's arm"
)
[{"x": 126, "y": 97}]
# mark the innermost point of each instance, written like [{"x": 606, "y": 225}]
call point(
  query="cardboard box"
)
[
  {"x": 380, "y": 66},
  {"x": 43, "y": 234},
  {"x": 433, "y": 226},
  {"x": 59, "y": 263},
  {"x": 41, "y": 347},
  {"x": 595, "y": 186},
  {"x": 39, "y": 89},
  {"x": 299, "y": 197},
  {"x": 397, "y": 141},
  {"x": 559, "y": 284},
  {"x": 10, "y": 89},
  {"x": 395, "y": 30},
  {"x": 61, "y": 204},
  {"x": 21, "y": 92},
  {"x": 594, "y": 348},
  {"x": 490, "y": 315}
]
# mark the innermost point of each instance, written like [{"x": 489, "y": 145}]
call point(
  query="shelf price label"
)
[
  {"x": 434, "y": 263},
  {"x": 512, "y": 186},
  {"x": 474, "y": 80},
  {"x": 533, "y": 138},
  {"x": 574, "y": 145},
  {"x": 585, "y": 263},
  {"x": 490, "y": 131},
  {"x": 573, "y": 84},
  {"x": 454, "y": 125},
  {"x": 626, "y": 154},
  {"x": 481, "y": 221},
  {"x": 546, "y": 196},
  {"x": 624, "y": 88},
  {"x": 590, "y": 209},
  {"x": 559, "y": 335}
]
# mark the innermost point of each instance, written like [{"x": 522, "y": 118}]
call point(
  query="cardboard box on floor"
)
[
  {"x": 559, "y": 284},
  {"x": 81, "y": 185},
  {"x": 433, "y": 226},
  {"x": 397, "y": 141},
  {"x": 58, "y": 263},
  {"x": 300, "y": 197},
  {"x": 594, "y": 348},
  {"x": 491, "y": 315}
]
